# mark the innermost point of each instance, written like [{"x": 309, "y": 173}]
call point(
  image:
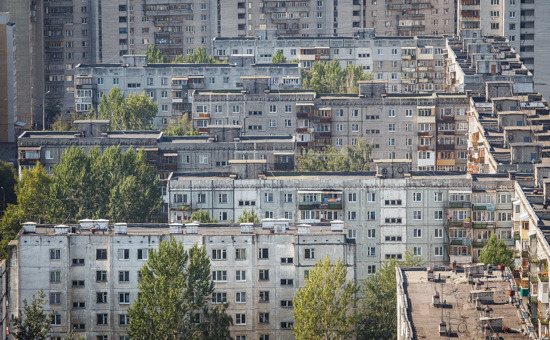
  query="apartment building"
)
[
  {"x": 8, "y": 81},
  {"x": 472, "y": 61},
  {"x": 90, "y": 271},
  {"x": 387, "y": 212},
  {"x": 408, "y": 64},
  {"x": 428, "y": 129},
  {"x": 523, "y": 22},
  {"x": 170, "y": 85},
  {"x": 410, "y": 17}
]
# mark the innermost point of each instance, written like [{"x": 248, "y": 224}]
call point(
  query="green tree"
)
[
  {"x": 326, "y": 77},
  {"x": 8, "y": 180},
  {"x": 496, "y": 252},
  {"x": 33, "y": 323},
  {"x": 215, "y": 323},
  {"x": 202, "y": 216},
  {"x": 325, "y": 307},
  {"x": 355, "y": 74},
  {"x": 180, "y": 127},
  {"x": 278, "y": 58},
  {"x": 198, "y": 56},
  {"x": 132, "y": 113},
  {"x": 377, "y": 307},
  {"x": 248, "y": 217},
  {"x": 349, "y": 158},
  {"x": 174, "y": 286},
  {"x": 154, "y": 56}
]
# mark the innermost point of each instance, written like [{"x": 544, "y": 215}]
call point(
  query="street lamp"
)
[{"x": 44, "y": 111}]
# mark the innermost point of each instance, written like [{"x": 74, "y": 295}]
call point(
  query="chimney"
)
[
  {"x": 192, "y": 228},
  {"x": 304, "y": 228},
  {"x": 61, "y": 229},
  {"x": 247, "y": 228},
  {"x": 29, "y": 227},
  {"x": 337, "y": 225},
  {"x": 121, "y": 228},
  {"x": 176, "y": 228}
]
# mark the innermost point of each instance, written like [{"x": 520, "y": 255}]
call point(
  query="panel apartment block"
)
[{"x": 90, "y": 276}]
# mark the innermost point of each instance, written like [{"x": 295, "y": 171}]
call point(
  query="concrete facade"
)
[
  {"x": 8, "y": 83},
  {"x": 90, "y": 277}
]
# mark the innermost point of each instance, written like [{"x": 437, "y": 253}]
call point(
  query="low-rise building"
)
[{"x": 90, "y": 271}]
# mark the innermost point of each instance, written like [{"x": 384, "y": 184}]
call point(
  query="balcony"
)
[
  {"x": 445, "y": 147},
  {"x": 481, "y": 225},
  {"x": 461, "y": 241},
  {"x": 458, "y": 205},
  {"x": 459, "y": 224},
  {"x": 304, "y": 114},
  {"x": 479, "y": 243}
]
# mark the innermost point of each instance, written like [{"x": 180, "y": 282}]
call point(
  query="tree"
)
[
  {"x": 325, "y": 307},
  {"x": 202, "y": 217},
  {"x": 198, "y": 56},
  {"x": 496, "y": 252},
  {"x": 154, "y": 56},
  {"x": 33, "y": 323},
  {"x": 278, "y": 58},
  {"x": 215, "y": 324},
  {"x": 377, "y": 307},
  {"x": 349, "y": 158},
  {"x": 331, "y": 78},
  {"x": 8, "y": 179},
  {"x": 174, "y": 286},
  {"x": 180, "y": 127},
  {"x": 132, "y": 113},
  {"x": 248, "y": 217}
]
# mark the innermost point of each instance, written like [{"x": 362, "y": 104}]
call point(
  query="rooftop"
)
[{"x": 457, "y": 309}]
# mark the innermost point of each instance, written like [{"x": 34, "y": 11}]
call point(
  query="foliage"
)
[
  {"x": 154, "y": 56},
  {"x": 202, "y": 217},
  {"x": 8, "y": 179},
  {"x": 248, "y": 217},
  {"x": 174, "y": 285},
  {"x": 377, "y": 307},
  {"x": 180, "y": 127},
  {"x": 496, "y": 252},
  {"x": 278, "y": 58},
  {"x": 325, "y": 307},
  {"x": 349, "y": 158},
  {"x": 115, "y": 185},
  {"x": 331, "y": 78},
  {"x": 132, "y": 113},
  {"x": 198, "y": 56},
  {"x": 61, "y": 124},
  {"x": 215, "y": 324},
  {"x": 33, "y": 323}
]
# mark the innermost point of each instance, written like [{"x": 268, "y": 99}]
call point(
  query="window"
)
[
  {"x": 101, "y": 276},
  {"x": 264, "y": 337},
  {"x": 438, "y": 251},
  {"x": 417, "y": 233},
  {"x": 371, "y": 215},
  {"x": 219, "y": 275},
  {"x": 263, "y": 318},
  {"x": 102, "y": 319},
  {"x": 268, "y": 196},
  {"x": 417, "y": 215},
  {"x": 263, "y": 253},
  {"x": 287, "y": 282},
  {"x": 124, "y": 298},
  {"x": 78, "y": 283},
  {"x": 371, "y": 251},
  {"x": 391, "y": 113},
  {"x": 101, "y": 254},
  {"x": 56, "y": 320},
  {"x": 201, "y": 198},
  {"x": 438, "y": 214},
  {"x": 143, "y": 254},
  {"x": 55, "y": 254},
  {"x": 55, "y": 298},
  {"x": 417, "y": 197},
  {"x": 263, "y": 274},
  {"x": 240, "y": 275},
  {"x": 219, "y": 297},
  {"x": 352, "y": 215},
  {"x": 240, "y": 319},
  {"x": 438, "y": 233},
  {"x": 219, "y": 254},
  {"x": 286, "y": 325},
  {"x": 391, "y": 127},
  {"x": 352, "y": 197},
  {"x": 417, "y": 251},
  {"x": 124, "y": 254},
  {"x": 310, "y": 253},
  {"x": 240, "y": 254},
  {"x": 240, "y": 297},
  {"x": 287, "y": 260},
  {"x": 55, "y": 277},
  {"x": 288, "y": 198},
  {"x": 124, "y": 276},
  {"x": 124, "y": 320},
  {"x": 264, "y": 296}
]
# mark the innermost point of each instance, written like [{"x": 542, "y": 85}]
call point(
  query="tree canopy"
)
[
  {"x": 154, "y": 56},
  {"x": 496, "y": 252},
  {"x": 248, "y": 217},
  {"x": 175, "y": 285},
  {"x": 202, "y": 216},
  {"x": 132, "y": 113},
  {"x": 8, "y": 179},
  {"x": 278, "y": 58},
  {"x": 198, "y": 56},
  {"x": 326, "y": 77},
  {"x": 378, "y": 302},
  {"x": 325, "y": 307},
  {"x": 180, "y": 127},
  {"x": 349, "y": 158},
  {"x": 32, "y": 323}
]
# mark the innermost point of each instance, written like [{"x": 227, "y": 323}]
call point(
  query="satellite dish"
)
[{"x": 400, "y": 170}]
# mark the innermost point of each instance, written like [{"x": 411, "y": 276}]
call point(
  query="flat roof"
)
[{"x": 462, "y": 314}]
